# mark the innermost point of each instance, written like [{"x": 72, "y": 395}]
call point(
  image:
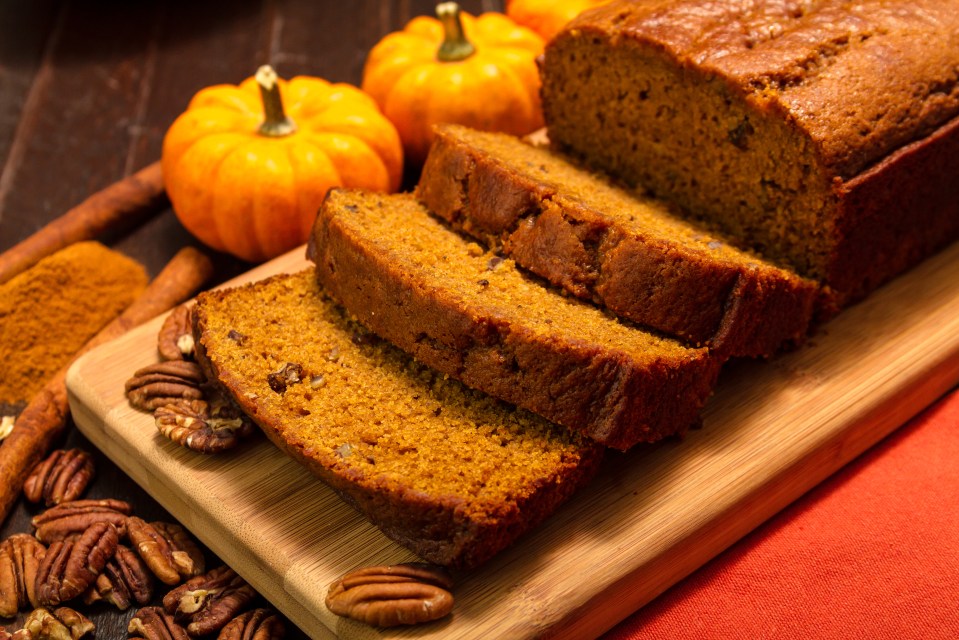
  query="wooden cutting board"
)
[{"x": 771, "y": 432}]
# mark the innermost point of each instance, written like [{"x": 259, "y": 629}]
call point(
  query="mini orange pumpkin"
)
[
  {"x": 479, "y": 72},
  {"x": 547, "y": 17},
  {"x": 245, "y": 178}
]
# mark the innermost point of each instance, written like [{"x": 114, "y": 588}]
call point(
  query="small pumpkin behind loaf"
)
[
  {"x": 246, "y": 167},
  {"x": 547, "y": 17},
  {"x": 456, "y": 68}
]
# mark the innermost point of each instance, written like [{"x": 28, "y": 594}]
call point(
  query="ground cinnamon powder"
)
[{"x": 48, "y": 312}]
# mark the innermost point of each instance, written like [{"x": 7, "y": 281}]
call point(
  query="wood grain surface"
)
[{"x": 772, "y": 431}]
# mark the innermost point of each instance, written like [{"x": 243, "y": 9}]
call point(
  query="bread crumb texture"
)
[
  {"x": 432, "y": 257},
  {"x": 474, "y": 315},
  {"x": 368, "y": 414}
]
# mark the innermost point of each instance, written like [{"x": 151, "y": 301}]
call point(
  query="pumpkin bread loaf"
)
[
  {"x": 822, "y": 133},
  {"x": 451, "y": 473},
  {"x": 633, "y": 254},
  {"x": 473, "y": 315}
]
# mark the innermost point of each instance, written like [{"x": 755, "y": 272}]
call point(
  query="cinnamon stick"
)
[
  {"x": 45, "y": 417},
  {"x": 126, "y": 201}
]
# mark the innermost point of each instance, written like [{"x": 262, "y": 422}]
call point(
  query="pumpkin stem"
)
[
  {"x": 275, "y": 124},
  {"x": 455, "y": 46}
]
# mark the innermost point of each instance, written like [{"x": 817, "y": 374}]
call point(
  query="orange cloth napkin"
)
[{"x": 873, "y": 553}]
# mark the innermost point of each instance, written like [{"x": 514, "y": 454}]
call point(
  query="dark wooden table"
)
[{"x": 87, "y": 90}]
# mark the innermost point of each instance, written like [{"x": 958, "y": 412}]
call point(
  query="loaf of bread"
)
[
  {"x": 823, "y": 133},
  {"x": 633, "y": 254},
  {"x": 473, "y": 315},
  {"x": 451, "y": 473}
]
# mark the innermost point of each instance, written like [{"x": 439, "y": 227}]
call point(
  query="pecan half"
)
[
  {"x": 153, "y": 623},
  {"x": 387, "y": 596},
  {"x": 69, "y": 518},
  {"x": 72, "y": 565},
  {"x": 208, "y": 602},
  {"x": 125, "y": 579},
  {"x": 79, "y": 625},
  {"x": 206, "y": 428},
  {"x": 175, "y": 340},
  {"x": 20, "y": 557},
  {"x": 63, "y": 476},
  {"x": 60, "y": 624},
  {"x": 258, "y": 624},
  {"x": 167, "y": 549},
  {"x": 164, "y": 382}
]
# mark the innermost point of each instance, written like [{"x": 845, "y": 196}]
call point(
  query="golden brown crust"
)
[
  {"x": 859, "y": 79},
  {"x": 897, "y": 213},
  {"x": 514, "y": 197}
]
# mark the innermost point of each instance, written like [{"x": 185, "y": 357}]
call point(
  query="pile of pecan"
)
[
  {"x": 186, "y": 409},
  {"x": 97, "y": 551}
]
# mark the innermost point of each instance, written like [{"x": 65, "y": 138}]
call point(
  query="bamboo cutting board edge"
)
[
  {"x": 772, "y": 431},
  {"x": 690, "y": 553}
]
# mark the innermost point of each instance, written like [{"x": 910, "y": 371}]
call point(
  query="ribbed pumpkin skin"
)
[
  {"x": 256, "y": 196},
  {"x": 547, "y": 17},
  {"x": 495, "y": 89}
]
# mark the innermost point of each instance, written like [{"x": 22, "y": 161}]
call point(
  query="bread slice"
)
[
  {"x": 451, "y": 473},
  {"x": 633, "y": 254},
  {"x": 826, "y": 133},
  {"x": 473, "y": 315}
]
